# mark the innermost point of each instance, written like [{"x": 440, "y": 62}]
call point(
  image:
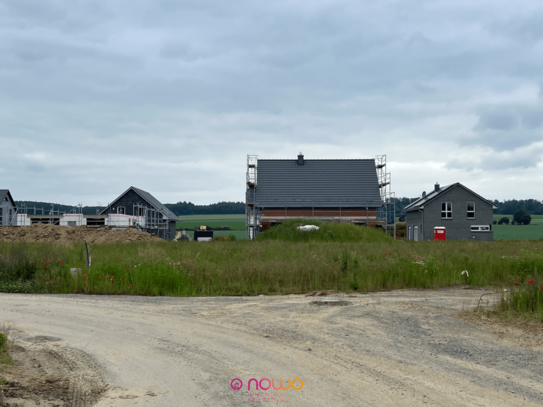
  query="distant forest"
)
[{"x": 508, "y": 207}]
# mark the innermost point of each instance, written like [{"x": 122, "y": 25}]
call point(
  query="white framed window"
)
[
  {"x": 416, "y": 233},
  {"x": 471, "y": 210},
  {"x": 446, "y": 210},
  {"x": 120, "y": 210},
  {"x": 481, "y": 228},
  {"x": 409, "y": 236}
]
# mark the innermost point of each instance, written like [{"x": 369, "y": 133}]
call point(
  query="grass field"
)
[
  {"x": 235, "y": 222},
  {"x": 510, "y": 232},
  {"x": 283, "y": 260}
]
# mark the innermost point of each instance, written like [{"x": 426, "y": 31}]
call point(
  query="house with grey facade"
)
[
  {"x": 143, "y": 211},
  {"x": 454, "y": 209},
  {"x": 8, "y": 209}
]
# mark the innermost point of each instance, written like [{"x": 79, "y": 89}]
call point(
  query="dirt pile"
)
[{"x": 63, "y": 234}]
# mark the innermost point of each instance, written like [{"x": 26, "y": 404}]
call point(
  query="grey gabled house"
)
[
  {"x": 461, "y": 212},
  {"x": 151, "y": 215},
  {"x": 8, "y": 209},
  {"x": 341, "y": 190}
]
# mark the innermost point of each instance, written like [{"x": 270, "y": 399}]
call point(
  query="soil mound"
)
[{"x": 40, "y": 232}]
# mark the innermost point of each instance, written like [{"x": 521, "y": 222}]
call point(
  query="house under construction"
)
[
  {"x": 134, "y": 208},
  {"x": 352, "y": 191}
]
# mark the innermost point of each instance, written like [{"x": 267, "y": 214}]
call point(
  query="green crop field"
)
[
  {"x": 234, "y": 222},
  {"x": 513, "y": 232},
  {"x": 211, "y": 217}
]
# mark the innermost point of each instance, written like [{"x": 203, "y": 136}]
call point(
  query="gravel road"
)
[{"x": 401, "y": 348}]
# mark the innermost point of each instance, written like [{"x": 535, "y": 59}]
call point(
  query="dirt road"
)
[{"x": 404, "y": 348}]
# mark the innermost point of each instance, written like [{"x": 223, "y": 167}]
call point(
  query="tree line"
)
[{"x": 179, "y": 208}]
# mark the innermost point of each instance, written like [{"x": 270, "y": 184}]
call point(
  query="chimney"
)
[
  {"x": 300, "y": 159},
  {"x": 424, "y": 194},
  {"x": 436, "y": 186}
]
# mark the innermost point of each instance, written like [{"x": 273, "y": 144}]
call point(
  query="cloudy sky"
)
[{"x": 171, "y": 95}]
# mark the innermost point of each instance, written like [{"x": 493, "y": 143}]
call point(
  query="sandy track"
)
[{"x": 404, "y": 348}]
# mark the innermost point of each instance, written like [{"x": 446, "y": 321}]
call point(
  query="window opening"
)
[
  {"x": 446, "y": 210},
  {"x": 471, "y": 210}
]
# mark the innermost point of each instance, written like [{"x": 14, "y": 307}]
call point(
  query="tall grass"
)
[
  {"x": 265, "y": 266},
  {"x": 523, "y": 299},
  {"x": 327, "y": 232}
]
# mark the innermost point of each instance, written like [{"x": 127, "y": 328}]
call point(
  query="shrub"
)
[
  {"x": 521, "y": 216},
  {"x": 525, "y": 220},
  {"x": 504, "y": 221}
]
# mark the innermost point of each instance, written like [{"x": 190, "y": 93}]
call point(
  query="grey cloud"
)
[
  {"x": 497, "y": 120},
  {"x": 139, "y": 88},
  {"x": 532, "y": 118},
  {"x": 527, "y": 27},
  {"x": 512, "y": 160}
]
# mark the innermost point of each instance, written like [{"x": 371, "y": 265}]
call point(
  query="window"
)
[
  {"x": 481, "y": 228},
  {"x": 72, "y": 223},
  {"x": 409, "y": 236},
  {"x": 1, "y": 216},
  {"x": 446, "y": 210},
  {"x": 416, "y": 233},
  {"x": 471, "y": 210},
  {"x": 120, "y": 210},
  {"x": 140, "y": 211}
]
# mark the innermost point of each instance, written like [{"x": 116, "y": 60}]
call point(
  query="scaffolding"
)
[
  {"x": 386, "y": 215},
  {"x": 50, "y": 215},
  {"x": 253, "y": 217}
]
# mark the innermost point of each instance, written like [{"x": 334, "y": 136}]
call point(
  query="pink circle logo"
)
[{"x": 236, "y": 384}]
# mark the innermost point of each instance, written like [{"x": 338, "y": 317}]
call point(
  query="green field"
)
[
  {"x": 212, "y": 217},
  {"x": 235, "y": 222},
  {"x": 521, "y": 232}
]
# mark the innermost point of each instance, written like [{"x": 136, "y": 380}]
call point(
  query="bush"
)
[
  {"x": 494, "y": 222},
  {"x": 401, "y": 218},
  {"x": 521, "y": 216},
  {"x": 525, "y": 220},
  {"x": 504, "y": 221}
]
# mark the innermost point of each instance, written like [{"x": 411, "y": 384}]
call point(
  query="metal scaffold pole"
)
[
  {"x": 252, "y": 219},
  {"x": 387, "y": 214}
]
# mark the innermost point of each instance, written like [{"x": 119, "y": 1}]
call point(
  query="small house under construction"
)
[
  {"x": 354, "y": 191},
  {"x": 139, "y": 209},
  {"x": 134, "y": 208}
]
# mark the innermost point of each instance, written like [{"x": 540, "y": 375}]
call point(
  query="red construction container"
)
[{"x": 440, "y": 233}]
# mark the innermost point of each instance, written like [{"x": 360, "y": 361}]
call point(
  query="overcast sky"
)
[{"x": 171, "y": 95}]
